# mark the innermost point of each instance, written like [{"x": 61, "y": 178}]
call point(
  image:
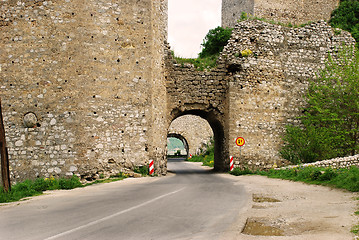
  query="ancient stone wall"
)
[
  {"x": 195, "y": 130},
  {"x": 295, "y": 11},
  {"x": 82, "y": 85},
  {"x": 270, "y": 66}
]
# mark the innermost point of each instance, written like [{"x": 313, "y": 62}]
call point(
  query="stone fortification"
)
[
  {"x": 82, "y": 85},
  {"x": 195, "y": 130},
  {"x": 295, "y": 11},
  {"x": 270, "y": 66},
  {"x": 88, "y": 87}
]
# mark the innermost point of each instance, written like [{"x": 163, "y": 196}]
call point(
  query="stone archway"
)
[
  {"x": 220, "y": 148},
  {"x": 182, "y": 139}
]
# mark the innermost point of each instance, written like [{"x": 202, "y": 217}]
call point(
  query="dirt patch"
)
[
  {"x": 262, "y": 227},
  {"x": 281, "y": 209},
  {"x": 259, "y": 199}
]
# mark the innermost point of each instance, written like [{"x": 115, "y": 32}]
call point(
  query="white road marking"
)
[{"x": 113, "y": 215}]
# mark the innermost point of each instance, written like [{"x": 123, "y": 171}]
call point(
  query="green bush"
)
[
  {"x": 346, "y": 17},
  {"x": 214, "y": 41},
  {"x": 330, "y": 123},
  {"x": 143, "y": 170}
]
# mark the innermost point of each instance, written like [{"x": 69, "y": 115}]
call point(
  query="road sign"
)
[{"x": 240, "y": 141}]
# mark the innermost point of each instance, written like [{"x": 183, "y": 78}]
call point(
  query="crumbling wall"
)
[{"x": 270, "y": 66}]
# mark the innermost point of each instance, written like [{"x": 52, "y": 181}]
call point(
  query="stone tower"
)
[
  {"x": 295, "y": 11},
  {"x": 82, "y": 85}
]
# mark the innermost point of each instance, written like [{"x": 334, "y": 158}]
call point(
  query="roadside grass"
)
[
  {"x": 30, "y": 188},
  {"x": 206, "y": 156},
  {"x": 339, "y": 178},
  {"x": 207, "y": 160},
  {"x": 115, "y": 178}
]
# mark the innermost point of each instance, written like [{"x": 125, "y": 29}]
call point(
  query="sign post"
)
[{"x": 240, "y": 142}]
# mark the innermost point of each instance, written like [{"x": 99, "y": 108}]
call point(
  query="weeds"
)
[
  {"x": 200, "y": 64},
  {"x": 118, "y": 177},
  {"x": 143, "y": 170},
  {"x": 206, "y": 157}
]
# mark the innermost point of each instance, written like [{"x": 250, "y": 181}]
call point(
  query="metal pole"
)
[{"x": 5, "y": 171}]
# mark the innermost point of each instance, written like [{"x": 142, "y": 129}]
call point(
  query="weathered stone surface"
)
[
  {"x": 267, "y": 92},
  {"x": 295, "y": 11},
  {"x": 92, "y": 72}
]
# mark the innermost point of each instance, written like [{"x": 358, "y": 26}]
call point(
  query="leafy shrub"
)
[
  {"x": 143, "y": 170},
  {"x": 214, "y": 41},
  {"x": 330, "y": 123},
  {"x": 346, "y": 17}
]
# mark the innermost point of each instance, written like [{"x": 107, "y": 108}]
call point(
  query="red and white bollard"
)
[
  {"x": 231, "y": 163},
  {"x": 151, "y": 168},
  {"x": 190, "y": 156}
]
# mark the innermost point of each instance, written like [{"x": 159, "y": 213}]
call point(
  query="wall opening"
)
[
  {"x": 218, "y": 134},
  {"x": 177, "y": 146}
]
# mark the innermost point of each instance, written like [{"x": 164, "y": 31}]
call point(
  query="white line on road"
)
[{"x": 113, "y": 215}]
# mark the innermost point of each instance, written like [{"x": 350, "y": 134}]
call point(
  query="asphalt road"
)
[{"x": 191, "y": 203}]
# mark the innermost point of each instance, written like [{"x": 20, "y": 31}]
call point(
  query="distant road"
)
[{"x": 191, "y": 203}]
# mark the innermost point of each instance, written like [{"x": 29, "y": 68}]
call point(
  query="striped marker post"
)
[
  {"x": 231, "y": 163},
  {"x": 151, "y": 168}
]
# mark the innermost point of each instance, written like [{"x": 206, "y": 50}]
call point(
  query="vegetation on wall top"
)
[
  {"x": 213, "y": 44},
  {"x": 346, "y": 17}
]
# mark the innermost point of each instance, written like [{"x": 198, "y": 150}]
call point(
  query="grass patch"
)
[
  {"x": 118, "y": 177},
  {"x": 29, "y": 188},
  {"x": 200, "y": 64},
  {"x": 206, "y": 157},
  {"x": 339, "y": 178}
]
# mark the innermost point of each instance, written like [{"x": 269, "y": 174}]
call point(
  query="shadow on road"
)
[{"x": 180, "y": 167}]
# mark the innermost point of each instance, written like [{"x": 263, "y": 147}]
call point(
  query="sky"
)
[{"x": 188, "y": 23}]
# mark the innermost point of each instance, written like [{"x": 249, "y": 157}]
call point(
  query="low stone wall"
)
[{"x": 341, "y": 162}]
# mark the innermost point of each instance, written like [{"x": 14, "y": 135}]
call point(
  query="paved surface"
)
[{"x": 191, "y": 203}]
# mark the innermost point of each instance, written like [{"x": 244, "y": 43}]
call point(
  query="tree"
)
[
  {"x": 215, "y": 41},
  {"x": 346, "y": 17},
  {"x": 331, "y": 120}
]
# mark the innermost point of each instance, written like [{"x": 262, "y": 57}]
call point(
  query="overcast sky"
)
[{"x": 189, "y": 22}]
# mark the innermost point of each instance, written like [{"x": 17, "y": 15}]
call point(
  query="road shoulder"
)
[{"x": 283, "y": 209}]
